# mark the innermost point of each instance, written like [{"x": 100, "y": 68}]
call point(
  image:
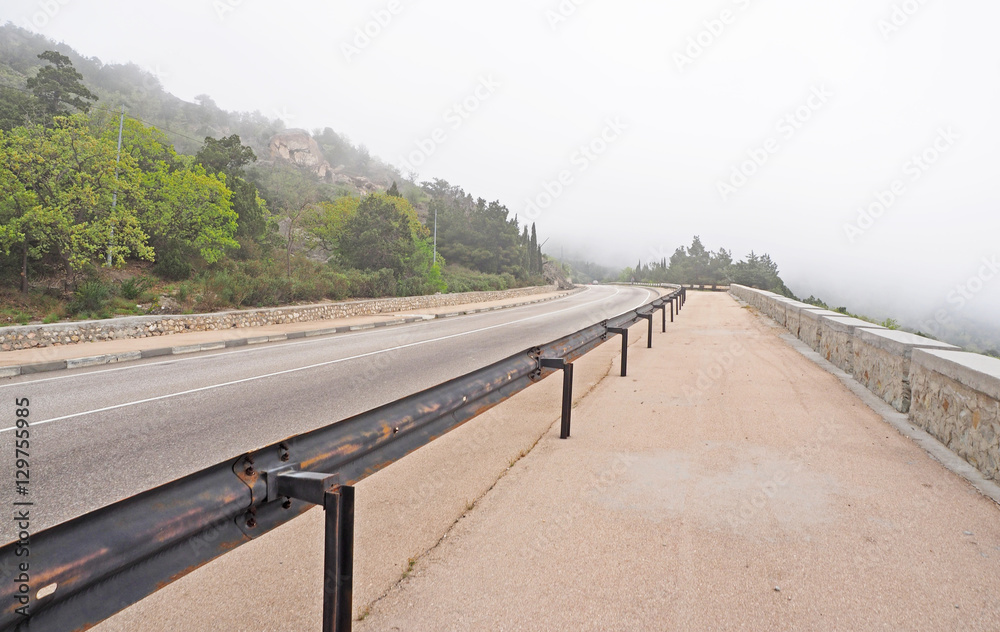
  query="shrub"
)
[
  {"x": 90, "y": 296},
  {"x": 459, "y": 279},
  {"x": 135, "y": 287},
  {"x": 14, "y": 316},
  {"x": 173, "y": 261},
  {"x": 376, "y": 284},
  {"x": 267, "y": 290},
  {"x": 890, "y": 323},
  {"x": 207, "y": 301}
]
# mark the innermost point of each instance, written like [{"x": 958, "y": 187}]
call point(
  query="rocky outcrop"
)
[
  {"x": 298, "y": 147},
  {"x": 554, "y": 275},
  {"x": 361, "y": 183}
]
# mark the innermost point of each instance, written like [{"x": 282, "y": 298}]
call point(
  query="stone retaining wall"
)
[
  {"x": 957, "y": 400},
  {"x": 836, "y": 339},
  {"x": 953, "y": 395},
  {"x": 809, "y": 326},
  {"x": 793, "y": 316},
  {"x": 29, "y": 336},
  {"x": 882, "y": 363}
]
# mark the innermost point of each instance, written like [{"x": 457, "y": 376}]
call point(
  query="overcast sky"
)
[{"x": 757, "y": 124}]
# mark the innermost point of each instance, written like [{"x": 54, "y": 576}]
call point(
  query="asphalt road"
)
[{"x": 104, "y": 434}]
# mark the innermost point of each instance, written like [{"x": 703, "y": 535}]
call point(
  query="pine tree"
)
[
  {"x": 525, "y": 245},
  {"x": 535, "y": 266},
  {"x": 58, "y": 87}
]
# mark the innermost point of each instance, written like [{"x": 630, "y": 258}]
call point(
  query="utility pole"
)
[
  {"x": 435, "y": 235},
  {"x": 114, "y": 196}
]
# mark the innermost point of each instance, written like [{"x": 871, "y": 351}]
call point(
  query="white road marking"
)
[
  {"x": 312, "y": 366},
  {"x": 253, "y": 349}
]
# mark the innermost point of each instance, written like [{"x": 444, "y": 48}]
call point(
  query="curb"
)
[{"x": 126, "y": 356}]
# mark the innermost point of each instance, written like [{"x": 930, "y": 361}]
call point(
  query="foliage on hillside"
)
[
  {"x": 481, "y": 236},
  {"x": 65, "y": 200},
  {"x": 140, "y": 91},
  {"x": 217, "y": 226}
]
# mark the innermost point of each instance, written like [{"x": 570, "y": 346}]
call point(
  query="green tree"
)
[
  {"x": 535, "y": 265},
  {"x": 253, "y": 218},
  {"x": 679, "y": 268},
  {"x": 189, "y": 207},
  {"x": 229, "y": 156},
  {"x": 759, "y": 272},
  {"x": 695, "y": 264},
  {"x": 626, "y": 276},
  {"x": 16, "y": 108},
  {"x": 326, "y": 221},
  {"x": 478, "y": 235},
  {"x": 718, "y": 266},
  {"x": 186, "y": 211},
  {"x": 29, "y": 226},
  {"x": 380, "y": 235},
  {"x": 384, "y": 233},
  {"x": 393, "y": 190},
  {"x": 293, "y": 192},
  {"x": 57, "y": 187},
  {"x": 58, "y": 87},
  {"x": 699, "y": 262}
]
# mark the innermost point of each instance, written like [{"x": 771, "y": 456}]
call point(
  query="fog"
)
[{"x": 855, "y": 142}]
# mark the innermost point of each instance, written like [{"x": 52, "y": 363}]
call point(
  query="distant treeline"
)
[{"x": 693, "y": 264}]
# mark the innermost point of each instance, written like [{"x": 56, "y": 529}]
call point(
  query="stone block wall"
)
[
  {"x": 29, "y": 336},
  {"x": 957, "y": 400},
  {"x": 809, "y": 326},
  {"x": 836, "y": 339},
  {"x": 882, "y": 363},
  {"x": 793, "y": 316}
]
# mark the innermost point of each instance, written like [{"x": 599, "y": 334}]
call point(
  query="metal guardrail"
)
[{"x": 89, "y": 568}]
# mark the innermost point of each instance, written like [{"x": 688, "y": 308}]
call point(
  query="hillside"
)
[
  {"x": 206, "y": 209},
  {"x": 184, "y": 123}
]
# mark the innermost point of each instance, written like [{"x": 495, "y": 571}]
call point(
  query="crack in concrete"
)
[{"x": 406, "y": 574}]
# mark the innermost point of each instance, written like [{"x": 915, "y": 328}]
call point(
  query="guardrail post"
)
[
  {"x": 623, "y": 332},
  {"x": 649, "y": 334},
  {"x": 672, "y": 299},
  {"x": 338, "y": 564},
  {"x": 567, "y": 395},
  {"x": 338, "y": 558},
  {"x": 663, "y": 308}
]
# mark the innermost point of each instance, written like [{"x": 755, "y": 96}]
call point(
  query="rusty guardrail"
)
[{"x": 95, "y": 565}]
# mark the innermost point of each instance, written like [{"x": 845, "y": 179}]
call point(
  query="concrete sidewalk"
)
[
  {"x": 728, "y": 483},
  {"x": 39, "y": 359}
]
